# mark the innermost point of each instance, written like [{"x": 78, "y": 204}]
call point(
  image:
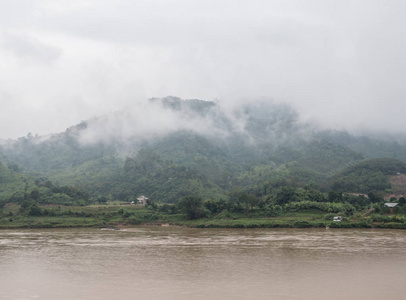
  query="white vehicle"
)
[{"x": 337, "y": 219}]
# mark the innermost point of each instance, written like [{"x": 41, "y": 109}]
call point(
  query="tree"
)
[
  {"x": 315, "y": 195},
  {"x": 244, "y": 201},
  {"x": 192, "y": 206},
  {"x": 35, "y": 210},
  {"x": 335, "y": 196},
  {"x": 286, "y": 195},
  {"x": 375, "y": 197},
  {"x": 102, "y": 199},
  {"x": 34, "y": 194},
  {"x": 248, "y": 201},
  {"x": 215, "y": 206}
]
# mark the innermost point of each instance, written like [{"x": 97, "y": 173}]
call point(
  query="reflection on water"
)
[{"x": 179, "y": 263}]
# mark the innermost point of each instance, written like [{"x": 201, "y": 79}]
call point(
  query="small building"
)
[
  {"x": 391, "y": 205},
  {"x": 337, "y": 219},
  {"x": 142, "y": 200}
]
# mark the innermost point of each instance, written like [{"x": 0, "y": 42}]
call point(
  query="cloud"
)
[
  {"x": 341, "y": 63},
  {"x": 150, "y": 119},
  {"x": 31, "y": 49},
  {"x": 262, "y": 122}
]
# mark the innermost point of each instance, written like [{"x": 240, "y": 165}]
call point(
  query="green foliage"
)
[
  {"x": 367, "y": 175},
  {"x": 344, "y": 208},
  {"x": 358, "y": 201},
  {"x": 102, "y": 199},
  {"x": 35, "y": 210},
  {"x": 375, "y": 197},
  {"x": 323, "y": 156},
  {"x": 302, "y": 224},
  {"x": 13, "y": 184},
  {"x": 72, "y": 192},
  {"x": 26, "y": 203},
  {"x": 215, "y": 206},
  {"x": 299, "y": 214},
  {"x": 247, "y": 201},
  {"x": 34, "y": 194},
  {"x": 260, "y": 156},
  {"x": 162, "y": 180},
  {"x": 286, "y": 195},
  {"x": 168, "y": 208},
  {"x": 335, "y": 196},
  {"x": 369, "y": 146},
  {"x": 191, "y": 206},
  {"x": 310, "y": 194}
]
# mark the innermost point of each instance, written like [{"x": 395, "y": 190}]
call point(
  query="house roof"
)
[{"x": 391, "y": 204}]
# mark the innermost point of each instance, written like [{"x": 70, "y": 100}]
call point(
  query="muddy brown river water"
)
[{"x": 180, "y": 263}]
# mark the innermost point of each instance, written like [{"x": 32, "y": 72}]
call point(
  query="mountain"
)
[{"x": 169, "y": 148}]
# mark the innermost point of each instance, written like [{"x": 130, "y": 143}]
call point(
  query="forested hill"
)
[{"x": 170, "y": 148}]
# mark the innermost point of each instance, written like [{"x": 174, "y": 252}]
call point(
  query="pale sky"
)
[{"x": 340, "y": 63}]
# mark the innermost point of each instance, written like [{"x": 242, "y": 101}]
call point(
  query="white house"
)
[{"x": 142, "y": 200}]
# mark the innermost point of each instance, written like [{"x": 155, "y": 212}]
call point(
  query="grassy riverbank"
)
[{"x": 57, "y": 216}]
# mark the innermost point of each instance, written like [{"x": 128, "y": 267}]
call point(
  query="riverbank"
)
[{"x": 105, "y": 216}]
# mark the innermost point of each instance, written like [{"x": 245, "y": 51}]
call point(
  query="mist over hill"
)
[
  {"x": 169, "y": 148},
  {"x": 156, "y": 118}
]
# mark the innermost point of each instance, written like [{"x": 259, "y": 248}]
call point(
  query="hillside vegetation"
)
[
  {"x": 169, "y": 149},
  {"x": 368, "y": 175}
]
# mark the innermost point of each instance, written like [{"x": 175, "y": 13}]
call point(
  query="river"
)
[{"x": 182, "y": 263}]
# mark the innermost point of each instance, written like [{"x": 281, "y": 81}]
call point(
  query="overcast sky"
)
[{"x": 341, "y": 63}]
